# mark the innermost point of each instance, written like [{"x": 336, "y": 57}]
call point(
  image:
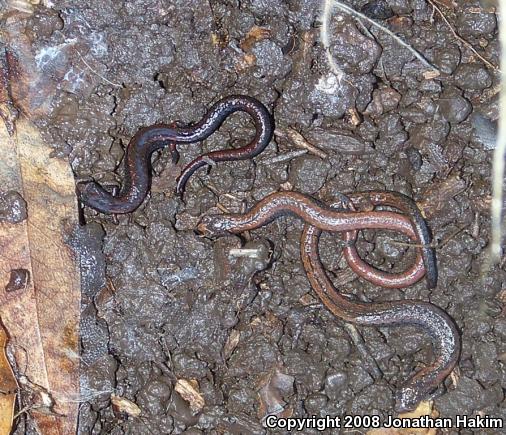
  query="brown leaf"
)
[
  {"x": 424, "y": 408},
  {"x": 121, "y": 405},
  {"x": 220, "y": 39},
  {"x": 189, "y": 391},
  {"x": 308, "y": 299},
  {"x": 27, "y": 88},
  {"x": 300, "y": 141},
  {"x": 255, "y": 34},
  {"x": 41, "y": 306},
  {"x": 275, "y": 386},
  {"x": 8, "y": 387},
  {"x": 231, "y": 343},
  {"x": 336, "y": 140}
]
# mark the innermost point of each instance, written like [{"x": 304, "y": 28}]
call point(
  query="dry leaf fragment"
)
[
  {"x": 300, "y": 141},
  {"x": 189, "y": 391},
  {"x": 231, "y": 344},
  {"x": 8, "y": 387},
  {"x": 35, "y": 397},
  {"x": 353, "y": 117},
  {"x": 220, "y": 39},
  {"x": 431, "y": 74},
  {"x": 249, "y": 59},
  {"x": 41, "y": 311},
  {"x": 122, "y": 406},
  {"x": 255, "y": 34},
  {"x": 336, "y": 140},
  {"x": 308, "y": 299},
  {"x": 275, "y": 386},
  {"x": 424, "y": 408}
]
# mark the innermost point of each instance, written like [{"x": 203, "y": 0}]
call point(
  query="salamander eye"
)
[
  {"x": 84, "y": 189},
  {"x": 88, "y": 190},
  {"x": 93, "y": 195}
]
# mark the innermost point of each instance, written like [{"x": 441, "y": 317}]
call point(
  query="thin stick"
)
[
  {"x": 353, "y": 12},
  {"x": 459, "y": 38},
  {"x": 500, "y": 152}
]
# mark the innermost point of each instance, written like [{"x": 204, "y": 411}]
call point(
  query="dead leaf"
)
[
  {"x": 336, "y": 140},
  {"x": 255, "y": 34},
  {"x": 275, "y": 386},
  {"x": 220, "y": 39},
  {"x": 8, "y": 387},
  {"x": 353, "y": 117},
  {"x": 26, "y": 87},
  {"x": 189, "y": 391},
  {"x": 32, "y": 71},
  {"x": 300, "y": 141},
  {"x": 431, "y": 74},
  {"x": 121, "y": 405},
  {"x": 41, "y": 311},
  {"x": 424, "y": 408},
  {"x": 308, "y": 299},
  {"x": 34, "y": 396},
  {"x": 231, "y": 344}
]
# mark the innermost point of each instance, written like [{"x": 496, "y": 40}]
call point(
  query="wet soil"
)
[{"x": 162, "y": 304}]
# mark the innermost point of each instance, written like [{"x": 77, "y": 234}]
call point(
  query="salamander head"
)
[
  {"x": 213, "y": 226},
  {"x": 408, "y": 397},
  {"x": 93, "y": 195}
]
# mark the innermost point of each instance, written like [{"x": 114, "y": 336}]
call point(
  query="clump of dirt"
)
[{"x": 165, "y": 305}]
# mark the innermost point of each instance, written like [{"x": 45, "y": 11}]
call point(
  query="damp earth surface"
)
[{"x": 236, "y": 317}]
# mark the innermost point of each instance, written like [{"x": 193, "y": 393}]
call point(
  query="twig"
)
[
  {"x": 300, "y": 141},
  {"x": 327, "y": 8},
  {"x": 459, "y": 38},
  {"x": 96, "y": 73},
  {"x": 499, "y": 153}
]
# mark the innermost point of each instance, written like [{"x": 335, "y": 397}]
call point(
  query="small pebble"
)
[
  {"x": 473, "y": 77},
  {"x": 447, "y": 58},
  {"x": 377, "y": 10},
  {"x": 308, "y": 173},
  {"x": 19, "y": 280},
  {"x": 474, "y": 23},
  {"x": 414, "y": 157},
  {"x": 455, "y": 109}
]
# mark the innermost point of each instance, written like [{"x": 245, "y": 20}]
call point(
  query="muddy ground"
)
[{"x": 162, "y": 304}]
